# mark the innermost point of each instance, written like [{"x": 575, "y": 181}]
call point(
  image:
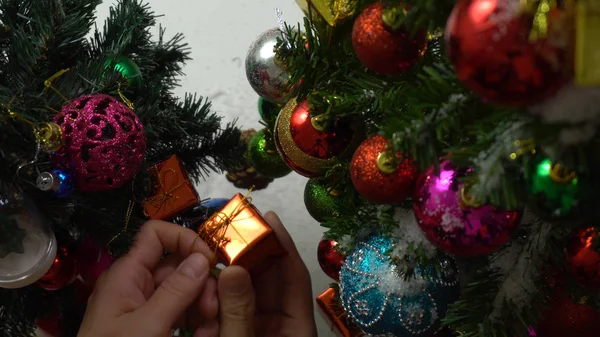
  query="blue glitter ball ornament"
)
[
  {"x": 381, "y": 302},
  {"x": 58, "y": 182}
]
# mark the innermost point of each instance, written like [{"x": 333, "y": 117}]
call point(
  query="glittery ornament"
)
[
  {"x": 330, "y": 259},
  {"x": 58, "y": 182},
  {"x": 268, "y": 111},
  {"x": 377, "y": 297},
  {"x": 309, "y": 147},
  {"x": 62, "y": 272},
  {"x": 104, "y": 142},
  {"x": 382, "y": 49},
  {"x": 584, "y": 258},
  {"x": 565, "y": 318},
  {"x": 263, "y": 156},
  {"x": 331, "y": 11},
  {"x": 322, "y": 201},
  {"x": 454, "y": 221},
  {"x": 489, "y": 44},
  {"x": 50, "y": 136},
  {"x": 92, "y": 260},
  {"x": 265, "y": 70},
  {"x": 380, "y": 175},
  {"x": 128, "y": 68},
  {"x": 555, "y": 192}
]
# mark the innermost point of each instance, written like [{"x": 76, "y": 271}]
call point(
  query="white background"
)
[{"x": 219, "y": 33}]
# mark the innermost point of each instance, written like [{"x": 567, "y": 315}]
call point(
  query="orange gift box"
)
[
  {"x": 335, "y": 313},
  {"x": 240, "y": 236},
  {"x": 173, "y": 191}
]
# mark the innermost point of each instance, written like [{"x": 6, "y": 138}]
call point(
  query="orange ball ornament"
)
[
  {"x": 308, "y": 144},
  {"x": 381, "y": 176},
  {"x": 382, "y": 49},
  {"x": 583, "y": 259}
]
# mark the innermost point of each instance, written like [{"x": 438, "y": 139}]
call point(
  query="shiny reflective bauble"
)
[
  {"x": 488, "y": 43},
  {"x": 50, "y": 136},
  {"x": 583, "y": 259},
  {"x": 128, "y": 68},
  {"x": 380, "y": 179},
  {"x": 321, "y": 201},
  {"x": 383, "y": 50},
  {"x": 62, "y": 272},
  {"x": 565, "y": 318},
  {"x": 268, "y": 111},
  {"x": 458, "y": 226},
  {"x": 265, "y": 72},
  {"x": 330, "y": 259},
  {"x": 378, "y": 298},
  {"x": 57, "y": 181},
  {"x": 311, "y": 150},
  {"x": 105, "y": 143},
  {"x": 264, "y": 158}
]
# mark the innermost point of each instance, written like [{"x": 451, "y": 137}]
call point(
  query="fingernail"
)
[{"x": 195, "y": 266}]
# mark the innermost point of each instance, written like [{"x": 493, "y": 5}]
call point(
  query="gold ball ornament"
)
[
  {"x": 50, "y": 136},
  {"x": 310, "y": 145}
]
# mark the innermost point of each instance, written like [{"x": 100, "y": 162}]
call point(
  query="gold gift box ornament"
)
[
  {"x": 332, "y": 11},
  {"x": 241, "y": 236}
]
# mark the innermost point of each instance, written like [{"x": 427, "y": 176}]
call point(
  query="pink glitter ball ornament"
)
[
  {"x": 104, "y": 142},
  {"x": 455, "y": 222}
]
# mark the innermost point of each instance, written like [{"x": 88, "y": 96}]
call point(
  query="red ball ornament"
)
[
  {"x": 62, "y": 272},
  {"x": 104, "y": 142},
  {"x": 330, "y": 259},
  {"x": 93, "y": 259},
  {"x": 567, "y": 318},
  {"x": 307, "y": 145},
  {"x": 51, "y": 325},
  {"x": 488, "y": 41},
  {"x": 382, "y": 49},
  {"x": 381, "y": 176},
  {"x": 583, "y": 259},
  {"x": 455, "y": 222}
]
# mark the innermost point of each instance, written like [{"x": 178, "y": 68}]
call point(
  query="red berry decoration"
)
[
  {"x": 489, "y": 44},
  {"x": 381, "y": 176},
  {"x": 330, "y": 259},
  {"x": 93, "y": 259},
  {"x": 104, "y": 142},
  {"x": 567, "y": 318},
  {"x": 307, "y": 145},
  {"x": 62, "y": 272},
  {"x": 454, "y": 221},
  {"x": 584, "y": 259},
  {"x": 382, "y": 49}
]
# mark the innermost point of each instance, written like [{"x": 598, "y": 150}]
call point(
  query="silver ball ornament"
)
[{"x": 267, "y": 76}]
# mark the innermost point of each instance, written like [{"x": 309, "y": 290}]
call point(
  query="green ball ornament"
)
[
  {"x": 264, "y": 158},
  {"x": 268, "y": 111},
  {"x": 554, "y": 191},
  {"x": 321, "y": 201},
  {"x": 126, "y": 67}
]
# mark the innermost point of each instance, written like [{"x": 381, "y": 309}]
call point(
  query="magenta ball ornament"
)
[
  {"x": 104, "y": 142},
  {"x": 454, "y": 221}
]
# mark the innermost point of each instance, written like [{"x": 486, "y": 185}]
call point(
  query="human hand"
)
[
  {"x": 144, "y": 295},
  {"x": 279, "y": 304}
]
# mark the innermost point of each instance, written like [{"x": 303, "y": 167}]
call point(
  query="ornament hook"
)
[
  {"x": 561, "y": 175},
  {"x": 387, "y": 162},
  {"x": 467, "y": 200}
]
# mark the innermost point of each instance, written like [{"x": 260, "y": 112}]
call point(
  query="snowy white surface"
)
[{"x": 219, "y": 34}]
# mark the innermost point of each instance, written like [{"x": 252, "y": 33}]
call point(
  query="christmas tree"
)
[
  {"x": 92, "y": 144},
  {"x": 452, "y": 151}
]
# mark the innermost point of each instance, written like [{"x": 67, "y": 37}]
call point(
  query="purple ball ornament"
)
[
  {"x": 454, "y": 221},
  {"x": 104, "y": 142}
]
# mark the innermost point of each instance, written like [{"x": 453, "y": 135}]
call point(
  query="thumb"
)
[
  {"x": 178, "y": 291},
  {"x": 236, "y": 297}
]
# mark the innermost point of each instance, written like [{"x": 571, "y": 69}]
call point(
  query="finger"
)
[
  {"x": 236, "y": 296},
  {"x": 210, "y": 329},
  {"x": 177, "y": 292},
  {"x": 206, "y": 307},
  {"x": 156, "y": 237},
  {"x": 165, "y": 268}
]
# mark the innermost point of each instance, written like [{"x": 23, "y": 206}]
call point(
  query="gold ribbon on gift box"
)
[
  {"x": 165, "y": 196},
  {"x": 332, "y": 11},
  {"x": 587, "y": 51}
]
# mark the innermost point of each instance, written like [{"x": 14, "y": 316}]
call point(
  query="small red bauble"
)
[
  {"x": 104, "y": 142},
  {"x": 455, "y": 222},
  {"x": 380, "y": 176},
  {"x": 308, "y": 148},
  {"x": 93, "y": 259},
  {"x": 62, "y": 272},
  {"x": 330, "y": 259},
  {"x": 567, "y": 318},
  {"x": 51, "y": 324},
  {"x": 488, "y": 43},
  {"x": 383, "y": 50},
  {"x": 584, "y": 261}
]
